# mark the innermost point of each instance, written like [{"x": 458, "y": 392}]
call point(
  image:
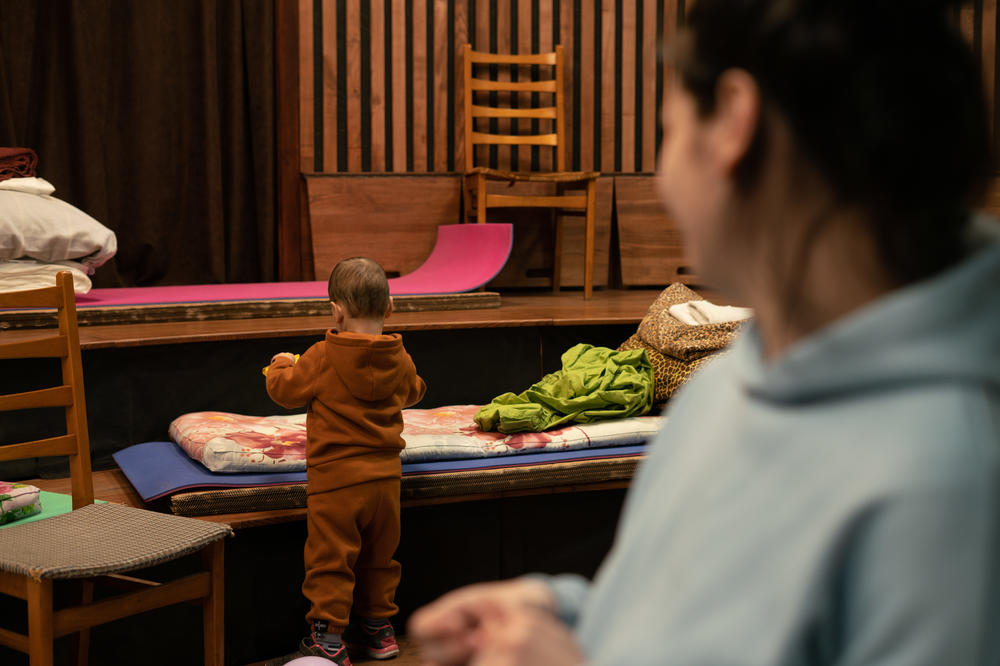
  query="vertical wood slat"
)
[
  {"x": 627, "y": 48},
  {"x": 377, "y": 61},
  {"x": 462, "y": 37},
  {"x": 588, "y": 66},
  {"x": 526, "y": 25},
  {"x": 306, "y": 98},
  {"x": 330, "y": 82},
  {"x": 399, "y": 110},
  {"x": 608, "y": 91},
  {"x": 651, "y": 110},
  {"x": 567, "y": 24},
  {"x": 418, "y": 73},
  {"x": 502, "y": 30},
  {"x": 352, "y": 33},
  {"x": 483, "y": 32},
  {"x": 440, "y": 86}
]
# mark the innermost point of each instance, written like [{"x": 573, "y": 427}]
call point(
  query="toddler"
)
[{"x": 355, "y": 382}]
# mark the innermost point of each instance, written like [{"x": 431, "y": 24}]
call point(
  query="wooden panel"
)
[
  {"x": 651, "y": 246},
  {"x": 355, "y": 215}
]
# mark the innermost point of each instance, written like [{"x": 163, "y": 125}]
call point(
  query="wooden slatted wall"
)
[
  {"x": 380, "y": 80},
  {"x": 381, "y": 85},
  {"x": 380, "y": 91}
]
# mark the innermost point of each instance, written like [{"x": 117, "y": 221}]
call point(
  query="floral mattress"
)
[{"x": 225, "y": 442}]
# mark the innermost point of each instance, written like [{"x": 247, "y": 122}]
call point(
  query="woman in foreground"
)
[{"x": 829, "y": 491}]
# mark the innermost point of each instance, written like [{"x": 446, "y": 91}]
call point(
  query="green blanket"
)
[{"x": 595, "y": 383}]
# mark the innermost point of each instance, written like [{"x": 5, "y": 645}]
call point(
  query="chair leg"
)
[
  {"x": 480, "y": 198},
  {"x": 213, "y": 607},
  {"x": 81, "y": 639},
  {"x": 40, "y": 630},
  {"x": 588, "y": 266}
]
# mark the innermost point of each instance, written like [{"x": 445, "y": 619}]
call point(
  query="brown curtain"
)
[{"x": 157, "y": 118}]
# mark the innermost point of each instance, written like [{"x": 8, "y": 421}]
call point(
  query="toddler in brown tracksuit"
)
[{"x": 355, "y": 382}]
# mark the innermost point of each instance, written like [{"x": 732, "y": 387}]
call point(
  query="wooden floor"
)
[{"x": 407, "y": 656}]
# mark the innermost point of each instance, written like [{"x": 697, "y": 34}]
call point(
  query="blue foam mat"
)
[{"x": 157, "y": 469}]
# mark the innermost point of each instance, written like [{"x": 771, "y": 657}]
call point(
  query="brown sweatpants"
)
[{"x": 353, "y": 533}]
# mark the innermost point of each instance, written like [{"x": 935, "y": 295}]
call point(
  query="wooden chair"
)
[
  {"x": 488, "y": 100},
  {"x": 93, "y": 544}
]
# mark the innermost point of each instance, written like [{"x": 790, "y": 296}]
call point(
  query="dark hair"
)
[
  {"x": 359, "y": 284},
  {"x": 883, "y": 98}
]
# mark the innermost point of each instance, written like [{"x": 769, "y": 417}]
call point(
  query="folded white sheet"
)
[
  {"x": 697, "y": 313},
  {"x": 21, "y": 274},
  {"x": 30, "y": 184}
]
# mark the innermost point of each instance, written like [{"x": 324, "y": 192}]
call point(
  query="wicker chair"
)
[
  {"x": 488, "y": 99},
  {"x": 94, "y": 543}
]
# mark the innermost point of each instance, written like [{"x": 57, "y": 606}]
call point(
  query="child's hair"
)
[
  {"x": 883, "y": 98},
  {"x": 359, "y": 284}
]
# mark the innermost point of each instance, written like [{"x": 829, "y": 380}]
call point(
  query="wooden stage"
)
[{"x": 141, "y": 376}]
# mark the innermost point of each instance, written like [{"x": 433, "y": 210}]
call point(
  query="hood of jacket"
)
[
  {"x": 370, "y": 366},
  {"x": 945, "y": 328}
]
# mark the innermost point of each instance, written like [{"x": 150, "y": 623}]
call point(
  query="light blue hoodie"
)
[{"x": 840, "y": 505}]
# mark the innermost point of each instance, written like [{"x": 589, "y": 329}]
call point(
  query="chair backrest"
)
[
  {"x": 64, "y": 345},
  {"x": 489, "y": 99}
]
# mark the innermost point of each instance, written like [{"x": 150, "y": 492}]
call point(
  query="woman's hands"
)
[{"x": 494, "y": 624}]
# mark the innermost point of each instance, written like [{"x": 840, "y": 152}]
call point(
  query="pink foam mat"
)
[{"x": 465, "y": 257}]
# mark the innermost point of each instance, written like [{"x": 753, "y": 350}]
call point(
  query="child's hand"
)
[{"x": 291, "y": 357}]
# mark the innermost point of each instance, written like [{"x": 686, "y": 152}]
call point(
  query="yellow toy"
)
[{"x": 264, "y": 369}]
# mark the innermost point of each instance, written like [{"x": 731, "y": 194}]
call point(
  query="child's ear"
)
[
  {"x": 338, "y": 314},
  {"x": 388, "y": 310}
]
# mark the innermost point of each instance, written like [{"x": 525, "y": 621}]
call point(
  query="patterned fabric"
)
[
  {"x": 226, "y": 442},
  {"x": 676, "y": 349},
  {"x": 18, "y": 500},
  {"x": 668, "y": 371},
  {"x": 669, "y": 336}
]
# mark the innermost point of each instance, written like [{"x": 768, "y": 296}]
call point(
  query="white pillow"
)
[{"x": 49, "y": 229}]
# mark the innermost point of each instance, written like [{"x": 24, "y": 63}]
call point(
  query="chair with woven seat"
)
[
  {"x": 486, "y": 101},
  {"x": 94, "y": 544}
]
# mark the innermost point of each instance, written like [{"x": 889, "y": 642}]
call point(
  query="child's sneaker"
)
[
  {"x": 309, "y": 648},
  {"x": 378, "y": 643}
]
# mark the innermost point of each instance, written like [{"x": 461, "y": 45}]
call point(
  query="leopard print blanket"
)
[{"x": 675, "y": 349}]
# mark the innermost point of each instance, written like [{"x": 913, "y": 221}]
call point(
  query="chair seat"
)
[
  {"x": 101, "y": 539},
  {"x": 537, "y": 176}
]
